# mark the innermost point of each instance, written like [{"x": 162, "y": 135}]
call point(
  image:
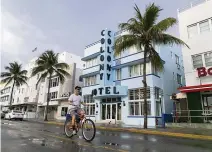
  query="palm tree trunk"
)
[
  {"x": 48, "y": 99},
  {"x": 11, "y": 95},
  {"x": 145, "y": 89}
]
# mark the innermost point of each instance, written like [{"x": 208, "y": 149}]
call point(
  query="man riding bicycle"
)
[{"x": 75, "y": 100}]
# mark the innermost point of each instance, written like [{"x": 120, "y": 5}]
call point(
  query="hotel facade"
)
[
  {"x": 195, "y": 26},
  {"x": 32, "y": 100},
  {"x": 113, "y": 87}
]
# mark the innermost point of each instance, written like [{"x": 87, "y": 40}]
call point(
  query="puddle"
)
[{"x": 111, "y": 144}]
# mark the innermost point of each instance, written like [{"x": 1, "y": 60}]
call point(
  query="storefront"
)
[{"x": 199, "y": 100}]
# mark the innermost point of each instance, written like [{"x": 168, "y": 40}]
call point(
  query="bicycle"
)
[{"x": 81, "y": 121}]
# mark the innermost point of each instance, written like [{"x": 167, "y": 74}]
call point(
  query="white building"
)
[
  {"x": 118, "y": 95},
  {"x": 195, "y": 26},
  {"x": 31, "y": 99}
]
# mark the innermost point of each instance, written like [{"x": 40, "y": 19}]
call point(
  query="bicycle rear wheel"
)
[{"x": 88, "y": 130}]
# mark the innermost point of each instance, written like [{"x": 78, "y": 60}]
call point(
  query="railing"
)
[
  {"x": 192, "y": 4},
  {"x": 187, "y": 116}
]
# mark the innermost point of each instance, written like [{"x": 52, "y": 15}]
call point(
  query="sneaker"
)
[{"x": 74, "y": 132}]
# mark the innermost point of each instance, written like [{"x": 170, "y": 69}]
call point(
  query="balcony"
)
[{"x": 91, "y": 70}]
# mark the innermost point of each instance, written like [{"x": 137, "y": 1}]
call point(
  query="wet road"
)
[{"x": 35, "y": 137}]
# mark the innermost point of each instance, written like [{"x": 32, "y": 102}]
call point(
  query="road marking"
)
[
  {"x": 81, "y": 144},
  {"x": 86, "y": 145}
]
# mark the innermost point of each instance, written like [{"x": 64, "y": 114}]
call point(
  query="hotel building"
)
[{"x": 113, "y": 86}]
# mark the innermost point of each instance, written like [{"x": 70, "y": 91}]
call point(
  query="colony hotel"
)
[{"x": 113, "y": 85}]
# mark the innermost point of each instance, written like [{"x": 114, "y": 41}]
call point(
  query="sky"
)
[{"x": 65, "y": 25}]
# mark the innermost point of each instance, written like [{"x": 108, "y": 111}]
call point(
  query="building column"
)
[
  {"x": 124, "y": 109},
  {"x": 97, "y": 110}
]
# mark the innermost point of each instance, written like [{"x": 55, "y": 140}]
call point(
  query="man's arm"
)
[{"x": 70, "y": 99}]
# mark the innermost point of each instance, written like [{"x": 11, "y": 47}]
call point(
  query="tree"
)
[
  {"x": 144, "y": 32},
  {"x": 14, "y": 75},
  {"x": 47, "y": 65}
]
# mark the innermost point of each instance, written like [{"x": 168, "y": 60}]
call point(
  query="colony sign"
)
[
  {"x": 106, "y": 87},
  {"x": 202, "y": 72},
  {"x": 106, "y": 57}
]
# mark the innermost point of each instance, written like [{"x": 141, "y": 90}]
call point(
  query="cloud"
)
[{"x": 18, "y": 38}]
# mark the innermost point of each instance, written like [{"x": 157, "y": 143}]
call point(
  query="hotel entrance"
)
[{"x": 111, "y": 109}]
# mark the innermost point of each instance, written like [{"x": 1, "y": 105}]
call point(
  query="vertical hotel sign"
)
[{"x": 106, "y": 57}]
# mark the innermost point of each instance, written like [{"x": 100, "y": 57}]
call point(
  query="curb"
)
[{"x": 151, "y": 132}]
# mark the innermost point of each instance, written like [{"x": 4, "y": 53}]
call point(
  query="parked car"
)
[
  {"x": 14, "y": 114},
  {"x": 2, "y": 114}
]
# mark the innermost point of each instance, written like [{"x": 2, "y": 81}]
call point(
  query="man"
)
[{"x": 75, "y": 100}]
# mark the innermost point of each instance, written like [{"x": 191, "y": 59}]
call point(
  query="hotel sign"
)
[
  {"x": 202, "y": 72},
  {"x": 109, "y": 91},
  {"x": 106, "y": 57}
]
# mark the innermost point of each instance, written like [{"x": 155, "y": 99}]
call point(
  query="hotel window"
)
[
  {"x": 6, "y": 90},
  {"x": 54, "y": 82},
  {"x": 64, "y": 111},
  {"x": 137, "y": 70},
  {"x": 90, "y": 80},
  {"x": 91, "y": 62},
  {"x": 136, "y": 101},
  {"x": 208, "y": 59},
  {"x": 204, "y": 26},
  {"x": 136, "y": 108},
  {"x": 197, "y": 61},
  {"x": 5, "y": 98},
  {"x": 90, "y": 105},
  {"x": 177, "y": 59},
  {"x": 192, "y": 30},
  {"x": 53, "y": 95},
  {"x": 179, "y": 79},
  {"x": 157, "y": 93},
  {"x": 118, "y": 74}
]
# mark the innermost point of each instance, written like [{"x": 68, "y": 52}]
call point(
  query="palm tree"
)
[
  {"x": 144, "y": 32},
  {"x": 47, "y": 65},
  {"x": 14, "y": 75}
]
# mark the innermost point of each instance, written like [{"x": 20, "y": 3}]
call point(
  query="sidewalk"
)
[{"x": 202, "y": 134}]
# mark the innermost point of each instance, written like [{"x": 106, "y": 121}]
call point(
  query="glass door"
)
[
  {"x": 114, "y": 110},
  {"x": 108, "y": 111}
]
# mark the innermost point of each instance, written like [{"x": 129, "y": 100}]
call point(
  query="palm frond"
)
[
  {"x": 19, "y": 81},
  {"x": 163, "y": 25},
  {"x": 38, "y": 69},
  {"x": 125, "y": 42},
  {"x": 5, "y": 74},
  {"x": 156, "y": 60},
  {"x": 150, "y": 16},
  {"x": 7, "y": 81},
  {"x": 61, "y": 74},
  {"x": 23, "y": 72},
  {"x": 138, "y": 13},
  {"x": 169, "y": 39},
  {"x": 62, "y": 65},
  {"x": 42, "y": 77}
]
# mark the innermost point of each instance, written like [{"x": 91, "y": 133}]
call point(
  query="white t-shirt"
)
[{"x": 76, "y": 100}]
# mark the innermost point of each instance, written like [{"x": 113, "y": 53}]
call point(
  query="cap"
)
[{"x": 77, "y": 87}]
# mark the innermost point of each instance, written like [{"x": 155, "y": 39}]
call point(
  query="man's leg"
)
[{"x": 73, "y": 121}]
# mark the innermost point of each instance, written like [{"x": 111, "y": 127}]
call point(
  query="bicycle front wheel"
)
[
  {"x": 88, "y": 130},
  {"x": 68, "y": 131}
]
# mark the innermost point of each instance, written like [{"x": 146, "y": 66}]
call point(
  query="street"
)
[{"x": 23, "y": 136}]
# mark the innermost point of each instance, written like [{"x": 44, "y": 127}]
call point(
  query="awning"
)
[
  {"x": 197, "y": 88},
  {"x": 179, "y": 96}
]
